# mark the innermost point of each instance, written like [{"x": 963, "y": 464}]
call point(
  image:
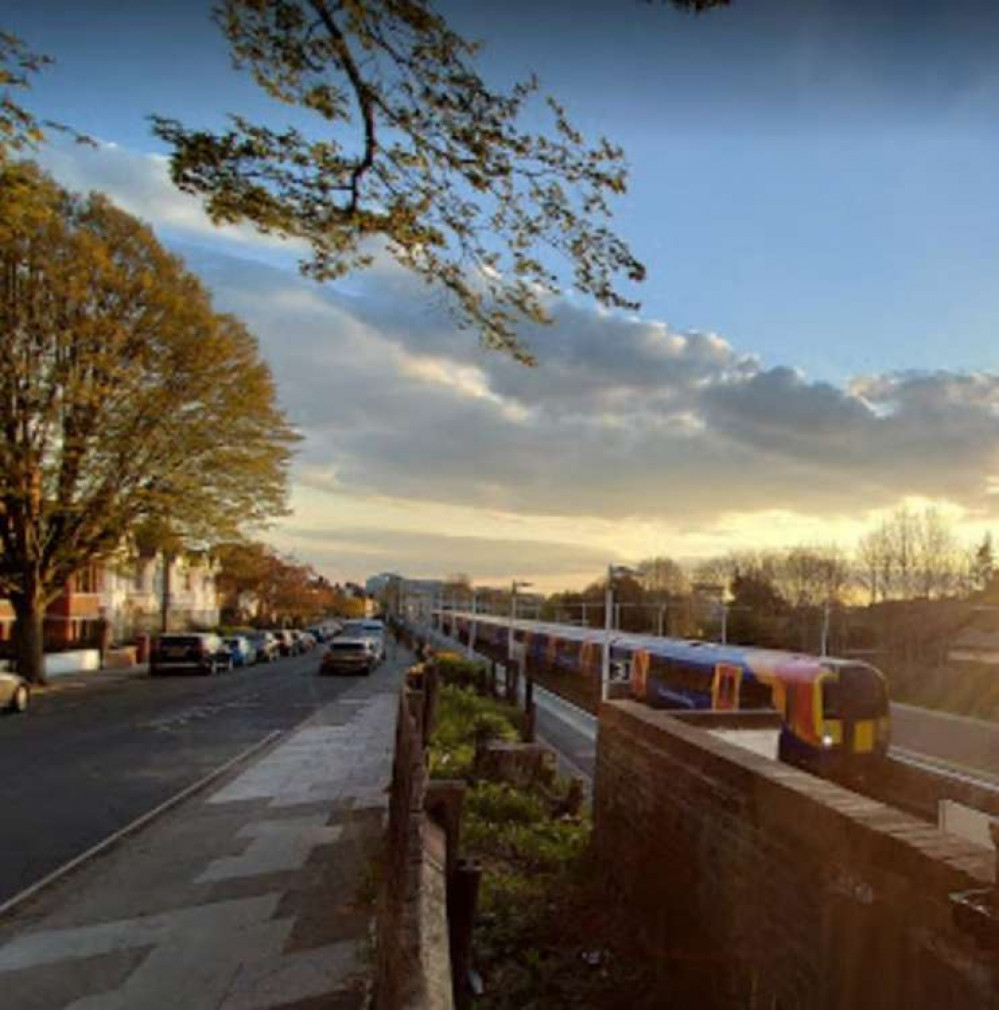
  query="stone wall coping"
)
[{"x": 819, "y": 814}]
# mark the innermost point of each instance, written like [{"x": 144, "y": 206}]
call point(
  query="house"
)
[{"x": 117, "y": 600}]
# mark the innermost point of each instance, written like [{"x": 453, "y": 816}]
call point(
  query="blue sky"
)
[{"x": 813, "y": 181}]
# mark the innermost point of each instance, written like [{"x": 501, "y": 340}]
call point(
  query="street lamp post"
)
[
  {"x": 511, "y": 641},
  {"x": 514, "y": 586},
  {"x": 612, "y": 572},
  {"x": 473, "y": 630}
]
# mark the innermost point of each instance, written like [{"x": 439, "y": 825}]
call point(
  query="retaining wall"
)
[
  {"x": 414, "y": 964},
  {"x": 755, "y": 885}
]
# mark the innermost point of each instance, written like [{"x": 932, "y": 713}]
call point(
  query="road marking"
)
[
  {"x": 95, "y": 850},
  {"x": 964, "y": 773}
]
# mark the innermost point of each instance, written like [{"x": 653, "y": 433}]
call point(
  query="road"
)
[
  {"x": 83, "y": 763},
  {"x": 954, "y": 741}
]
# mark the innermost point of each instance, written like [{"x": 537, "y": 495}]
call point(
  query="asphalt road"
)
[
  {"x": 83, "y": 763},
  {"x": 954, "y": 741}
]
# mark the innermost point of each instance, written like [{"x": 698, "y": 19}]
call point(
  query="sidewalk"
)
[
  {"x": 249, "y": 896},
  {"x": 77, "y": 681}
]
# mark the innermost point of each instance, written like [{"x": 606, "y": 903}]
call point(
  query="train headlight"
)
[{"x": 827, "y": 741}]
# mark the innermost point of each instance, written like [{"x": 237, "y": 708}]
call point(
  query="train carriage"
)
[{"x": 834, "y": 711}]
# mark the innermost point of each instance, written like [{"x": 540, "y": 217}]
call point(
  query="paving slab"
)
[{"x": 246, "y": 897}]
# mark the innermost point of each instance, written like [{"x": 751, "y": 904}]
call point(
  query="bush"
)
[
  {"x": 502, "y": 804},
  {"x": 462, "y": 717},
  {"x": 458, "y": 671}
]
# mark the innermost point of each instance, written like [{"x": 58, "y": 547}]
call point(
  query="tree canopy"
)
[
  {"x": 411, "y": 151},
  {"x": 124, "y": 396}
]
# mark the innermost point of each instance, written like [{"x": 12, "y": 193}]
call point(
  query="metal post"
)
[
  {"x": 472, "y": 632},
  {"x": 585, "y": 623},
  {"x": 724, "y": 627},
  {"x": 825, "y": 629},
  {"x": 617, "y": 616},
  {"x": 513, "y": 618},
  {"x": 608, "y": 617},
  {"x": 661, "y": 620}
]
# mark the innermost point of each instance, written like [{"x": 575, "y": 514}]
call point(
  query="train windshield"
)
[{"x": 859, "y": 694}]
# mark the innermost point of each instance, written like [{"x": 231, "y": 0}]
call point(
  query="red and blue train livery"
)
[{"x": 834, "y": 712}]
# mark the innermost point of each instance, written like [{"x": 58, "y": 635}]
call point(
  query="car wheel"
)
[{"x": 19, "y": 703}]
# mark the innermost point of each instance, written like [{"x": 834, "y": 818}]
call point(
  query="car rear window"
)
[
  {"x": 348, "y": 646},
  {"x": 188, "y": 641}
]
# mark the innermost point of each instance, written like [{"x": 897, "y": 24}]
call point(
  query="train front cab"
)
[{"x": 837, "y": 725}]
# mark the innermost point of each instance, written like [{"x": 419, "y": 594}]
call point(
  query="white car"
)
[
  {"x": 373, "y": 631},
  {"x": 14, "y": 692}
]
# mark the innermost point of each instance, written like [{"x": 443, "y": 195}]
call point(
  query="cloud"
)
[
  {"x": 622, "y": 418},
  {"x": 140, "y": 184},
  {"x": 433, "y": 554},
  {"x": 625, "y": 424}
]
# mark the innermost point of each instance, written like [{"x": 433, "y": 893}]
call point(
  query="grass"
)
[
  {"x": 546, "y": 935},
  {"x": 462, "y": 718}
]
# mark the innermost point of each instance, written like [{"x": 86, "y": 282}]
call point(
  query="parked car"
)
[
  {"x": 201, "y": 652},
  {"x": 299, "y": 639},
  {"x": 286, "y": 642},
  {"x": 265, "y": 645},
  {"x": 15, "y": 695},
  {"x": 242, "y": 650},
  {"x": 309, "y": 641},
  {"x": 346, "y": 654}
]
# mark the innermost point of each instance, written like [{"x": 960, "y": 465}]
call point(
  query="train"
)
[{"x": 834, "y": 713}]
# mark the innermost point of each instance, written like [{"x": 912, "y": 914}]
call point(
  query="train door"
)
[
  {"x": 639, "y": 674},
  {"x": 725, "y": 687}
]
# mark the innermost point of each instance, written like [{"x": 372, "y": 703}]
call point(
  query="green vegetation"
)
[
  {"x": 462, "y": 718},
  {"x": 546, "y": 935}
]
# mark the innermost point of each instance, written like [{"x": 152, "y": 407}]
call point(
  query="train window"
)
[
  {"x": 831, "y": 699},
  {"x": 755, "y": 694},
  {"x": 863, "y": 692}
]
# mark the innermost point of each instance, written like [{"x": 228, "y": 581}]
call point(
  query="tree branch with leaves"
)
[{"x": 410, "y": 150}]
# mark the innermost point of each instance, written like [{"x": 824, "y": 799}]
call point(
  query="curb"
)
[{"x": 11, "y": 904}]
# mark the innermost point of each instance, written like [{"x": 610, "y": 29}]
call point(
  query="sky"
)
[{"x": 813, "y": 191}]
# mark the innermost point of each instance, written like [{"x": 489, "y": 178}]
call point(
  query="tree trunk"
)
[{"x": 29, "y": 638}]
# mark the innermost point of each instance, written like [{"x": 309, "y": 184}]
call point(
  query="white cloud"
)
[
  {"x": 627, "y": 438},
  {"x": 140, "y": 184}
]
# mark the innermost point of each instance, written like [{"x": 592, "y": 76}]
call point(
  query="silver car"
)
[{"x": 15, "y": 694}]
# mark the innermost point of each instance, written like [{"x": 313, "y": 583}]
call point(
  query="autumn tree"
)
[
  {"x": 409, "y": 150},
  {"x": 123, "y": 396}
]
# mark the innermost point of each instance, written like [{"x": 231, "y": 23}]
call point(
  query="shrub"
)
[
  {"x": 462, "y": 717},
  {"x": 503, "y": 804},
  {"x": 458, "y": 671}
]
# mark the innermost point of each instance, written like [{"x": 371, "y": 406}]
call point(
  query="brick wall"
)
[
  {"x": 413, "y": 971},
  {"x": 755, "y": 885}
]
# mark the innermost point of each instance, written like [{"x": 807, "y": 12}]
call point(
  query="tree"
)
[
  {"x": 663, "y": 578},
  {"x": 983, "y": 564},
  {"x": 411, "y": 152},
  {"x": 20, "y": 128},
  {"x": 123, "y": 397}
]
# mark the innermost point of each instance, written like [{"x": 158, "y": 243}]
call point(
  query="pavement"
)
[{"x": 252, "y": 894}]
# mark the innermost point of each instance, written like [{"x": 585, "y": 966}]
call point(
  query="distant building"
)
[{"x": 377, "y": 584}]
